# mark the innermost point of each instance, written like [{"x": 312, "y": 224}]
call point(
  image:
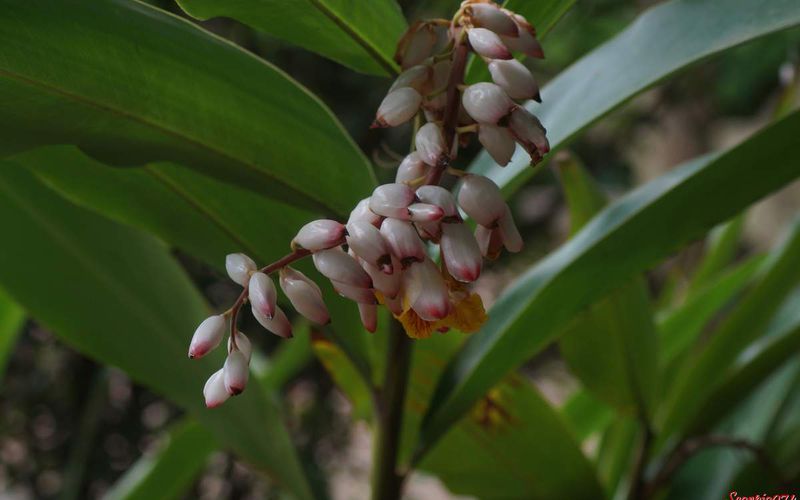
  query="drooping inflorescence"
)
[{"x": 382, "y": 255}]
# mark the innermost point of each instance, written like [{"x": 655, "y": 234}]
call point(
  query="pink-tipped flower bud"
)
[
  {"x": 498, "y": 141},
  {"x": 262, "y": 294},
  {"x": 434, "y": 106},
  {"x": 394, "y": 304},
  {"x": 526, "y": 41},
  {"x": 207, "y": 336},
  {"x": 403, "y": 241},
  {"x": 319, "y": 235},
  {"x": 239, "y": 267},
  {"x": 430, "y": 145},
  {"x": 528, "y": 131},
  {"x": 354, "y": 293},
  {"x": 489, "y": 16},
  {"x": 439, "y": 196},
  {"x": 243, "y": 344},
  {"x": 509, "y": 232},
  {"x": 236, "y": 372},
  {"x": 398, "y": 107},
  {"x": 460, "y": 252},
  {"x": 488, "y": 44},
  {"x": 392, "y": 200},
  {"x": 426, "y": 291},
  {"x": 487, "y": 102},
  {"x": 214, "y": 391},
  {"x": 304, "y": 295},
  {"x": 387, "y": 284},
  {"x": 489, "y": 240},
  {"x": 429, "y": 230},
  {"x": 424, "y": 212},
  {"x": 515, "y": 79},
  {"x": 361, "y": 212},
  {"x": 336, "y": 265},
  {"x": 416, "y": 77},
  {"x": 367, "y": 242},
  {"x": 416, "y": 45},
  {"x": 412, "y": 168},
  {"x": 279, "y": 324},
  {"x": 369, "y": 316},
  {"x": 481, "y": 199}
]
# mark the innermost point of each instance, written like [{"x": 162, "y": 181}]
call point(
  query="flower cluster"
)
[{"x": 382, "y": 255}]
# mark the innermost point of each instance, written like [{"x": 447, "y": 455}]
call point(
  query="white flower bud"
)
[
  {"x": 424, "y": 212},
  {"x": 489, "y": 240},
  {"x": 214, "y": 391},
  {"x": 403, "y": 240},
  {"x": 489, "y": 16},
  {"x": 481, "y": 199},
  {"x": 336, "y": 265},
  {"x": 487, "y": 44},
  {"x": 392, "y": 200},
  {"x": 394, "y": 304},
  {"x": 367, "y": 242},
  {"x": 528, "y": 131},
  {"x": 319, "y": 235},
  {"x": 362, "y": 213},
  {"x": 304, "y": 295},
  {"x": 509, "y": 232},
  {"x": 207, "y": 336},
  {"x": 416, "y": 77},
  {"x": 279, "y": 324},
  {"x": 429, "y": 230},
  {"x": 416, "y": 45},
  {"x": 411, "y": 168},
  {"x": 486, "y": 102},
  {"x": 439, "y": 196},
  {"x": 387, "y": 284},
  {"x": 515, "y": 79},
  {"x": 460, "y": 252},
  {"x": 243, "y": 344},
  {"x": 354, "y": 293},
  {"x": 426, "y": 291},
  {"x": 397, "y": 107},
  {"x": 498, "y": 141},
  {"x": 236, "y": 372},
  {"x": 262, "y": 294},
  {"x": 369, "y": 316},
  {"x": 430, "y": 144},
  {"x": 239, "y": 267}
]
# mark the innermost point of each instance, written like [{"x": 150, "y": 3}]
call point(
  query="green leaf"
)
[
  {"x": 513, "y": 445},
  {"x": 780, "y": 344},
  {"x": 129, "y": 83},
  {"x": 615, "y": 455},
  {"x": 680, "y": 327},
  {"x": 200, "y": 215},
  {"x": 345, "y": 375},
  {"x": 701, "y": 375},
  {"x": 629, "y": 236},
  {"x": 171, "y": 469},
  {"x": 586, "y": 414},
  {"x": 542, "y": 14},
  {"x": 120, "y": 298},
  {"x": 11, "y": 318},
  {"x": 722, "y": 246},
  {"x": 662, "y": 41},
  {"x": 185, "y": 448},
  {"x": 611, "y": 347},
  {"x": 360, "y": 35}
]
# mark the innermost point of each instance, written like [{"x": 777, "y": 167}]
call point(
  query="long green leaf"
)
[
  {"x": 200, "y": 215},
  {"x": 722, "y": 245},
  {"x": 118, "y": 296},
  {"x": 612, "y": 346},
  {"x": 185, "y": 448},
  {"x": 361, "y": 35},
  {"x": 662, "y": 41},
  {"x": 625, "y": 239},
  {"x": 129, "y": 83},
  {"x": 11, "y": 318},
  {"x": 749, "y": 320}
]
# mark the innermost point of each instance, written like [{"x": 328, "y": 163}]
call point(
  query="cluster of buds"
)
[
  {"x": 433, "y": 57},
  {"x": 382, "y": 255}
]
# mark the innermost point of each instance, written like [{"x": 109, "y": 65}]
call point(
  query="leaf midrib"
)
[{"x": 159, "y": 127}]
